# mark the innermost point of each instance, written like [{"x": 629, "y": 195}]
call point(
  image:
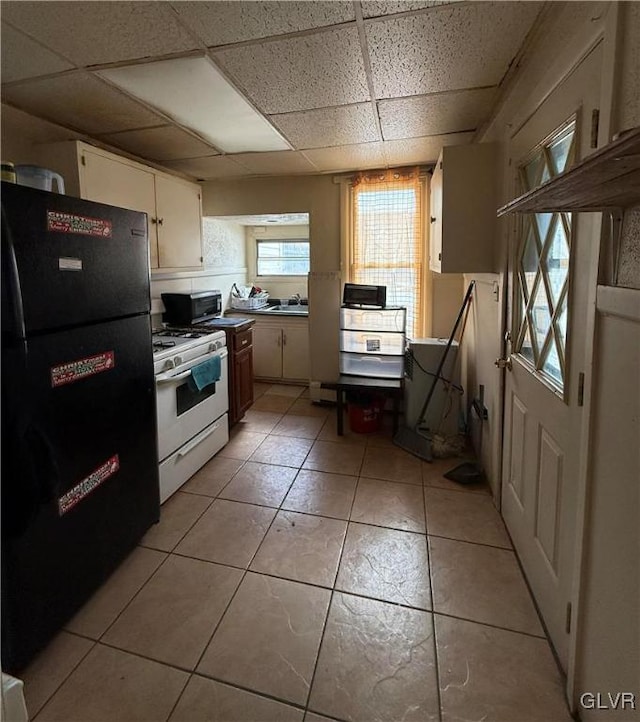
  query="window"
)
[
  {"x": 387, "y": 238},
  {"x": 543, "y": 264},
  {"x": 283, "y": 257}
]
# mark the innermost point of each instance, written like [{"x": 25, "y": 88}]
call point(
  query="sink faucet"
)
[{"x": 296, "y": 297}]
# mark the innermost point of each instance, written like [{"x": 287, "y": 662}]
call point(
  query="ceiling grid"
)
[{"x": 348, "y": 85}]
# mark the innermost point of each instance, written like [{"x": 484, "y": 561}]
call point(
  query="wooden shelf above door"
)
[{"x": 606, "y": 180}]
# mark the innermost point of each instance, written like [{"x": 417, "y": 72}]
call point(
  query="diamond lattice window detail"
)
[{"x": 543, "y": 264}]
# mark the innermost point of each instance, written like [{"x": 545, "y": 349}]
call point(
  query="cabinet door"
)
[
  {"x": 243, "y": 382},
  {"x": 435, "y": 256},
  {"x": 108, "y": 181},
  {"x": 267, "y": 352},
  {"x": 295, "y": 352},
  {"x": 179, "y": 223}
]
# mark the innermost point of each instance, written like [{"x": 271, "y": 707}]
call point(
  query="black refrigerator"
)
[{"x": 79, "y": 451}]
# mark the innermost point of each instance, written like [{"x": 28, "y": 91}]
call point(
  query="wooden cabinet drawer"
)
[{"x": 242, "y": 340}]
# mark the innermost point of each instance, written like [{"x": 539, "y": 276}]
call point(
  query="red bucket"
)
[{"x": 365, "y": 413}]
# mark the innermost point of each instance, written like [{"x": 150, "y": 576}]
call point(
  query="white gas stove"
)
[{"x": 192, "y": 423}]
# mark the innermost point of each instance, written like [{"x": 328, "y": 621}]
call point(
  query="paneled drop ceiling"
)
[{"x": 344, "y": 85}]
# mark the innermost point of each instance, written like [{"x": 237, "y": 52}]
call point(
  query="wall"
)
[
  {"x": 278, "y": 286},
  {"x": 480, "y": 348},
  {"x": 225, "y": 263},
  {"x": 319, "y": 196},
  {"x": 609, "y": 654},
  {"x": 22, "y": 133}
]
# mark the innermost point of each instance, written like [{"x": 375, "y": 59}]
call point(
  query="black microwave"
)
[
  {"x": 185, "y": 309},
  {"x": 358, "y": 294}
]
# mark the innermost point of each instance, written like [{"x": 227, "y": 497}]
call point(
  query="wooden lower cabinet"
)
[
  {"x": 242, "y": 383},
  {"x": 240, "y": 348}
]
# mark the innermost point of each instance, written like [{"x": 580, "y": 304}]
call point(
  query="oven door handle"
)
[
  {"x": 168, "y": 378},
  {"x": 198, "y": 440}
]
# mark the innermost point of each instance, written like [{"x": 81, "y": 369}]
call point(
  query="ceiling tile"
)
[
  {"x": 456, "y": 46},
  {"x": 220, "y": 23},
  {"x": 421, "y": 150},
  {"x": 90, "y": 33},
  {"x": 209, "y": 168},
  {"x": 434, "y": 114},
  {"x": 348, "y": 157},
  {"x": 375, "y": 8},
  {"x": 276, "y": 163},
  {"x": 81, "y": 101},
  {"x": 311, "y": 71},
  {"x": 31, "y": 130},
  {"x": 165, "y": 143},
  {"x": 345, "y": 125},
  {"x": 23, "y": 58}
]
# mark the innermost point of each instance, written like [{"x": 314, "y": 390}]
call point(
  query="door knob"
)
[{"x": 504, "y": 363}]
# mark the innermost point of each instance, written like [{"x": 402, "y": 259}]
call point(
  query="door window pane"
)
[{"x": 543, "y": 269}]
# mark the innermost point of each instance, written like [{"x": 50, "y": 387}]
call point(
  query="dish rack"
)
[{"x": 249, "y": 304}]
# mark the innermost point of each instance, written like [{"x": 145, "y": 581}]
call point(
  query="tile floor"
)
[{"x": 305, "y": 577}]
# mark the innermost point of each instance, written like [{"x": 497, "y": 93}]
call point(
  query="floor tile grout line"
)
[
  {"x": 263, "y": 695},
  {"x": 436, "y": 661},
  {"x": 333, "y": 591},
  {"x": 65, "y": 678},
  {"x": 245, "y": 572},
  {"x": 490, "y": 625},
  {"x": 467, "y": 541},
  {"x": 128, "y": 604}
]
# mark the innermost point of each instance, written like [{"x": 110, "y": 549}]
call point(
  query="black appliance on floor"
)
[{"x": 79, "y": 448}]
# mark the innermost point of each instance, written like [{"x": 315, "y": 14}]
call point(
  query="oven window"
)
[{"x": 186, "y": 398}]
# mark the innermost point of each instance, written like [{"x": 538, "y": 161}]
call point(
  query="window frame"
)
[
  {"x": 259, "y": 241},
  {"x": 519, "y": 317},
  {"x": 347, "y": 221}
]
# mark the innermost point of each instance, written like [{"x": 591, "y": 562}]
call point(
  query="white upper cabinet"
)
[
  {"x": 173, "y": 205},
  {"x": 179, "y": 218},
  {"x": 463, "y": 210}
]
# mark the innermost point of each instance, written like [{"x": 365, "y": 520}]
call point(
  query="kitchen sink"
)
[{"x": 291, "y": 308}]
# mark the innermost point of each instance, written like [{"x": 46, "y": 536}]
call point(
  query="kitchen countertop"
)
[
  {"x": 228, "y": 322},
  {"x": 272, "y": 314}
]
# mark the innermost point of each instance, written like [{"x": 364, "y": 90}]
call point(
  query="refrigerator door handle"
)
[
  {"x": 12, "y": 279},
  {"x": 39, "y": 480},
  {"x": 45, "y": 469}
]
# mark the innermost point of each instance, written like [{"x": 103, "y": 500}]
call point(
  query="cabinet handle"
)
[
  {"x": 154, "y": 220},
  {"x": 439, "y": 256},
  {"x": 160, "y": 221},
  {"x": 433, "y": 220},
  {"x": 284, "y": 339},
  {"x": 245, "y": 342},
  {"x": 279, "y": 341}
]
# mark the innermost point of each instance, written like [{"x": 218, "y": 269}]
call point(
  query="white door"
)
[{"x": 553, "y": 263}]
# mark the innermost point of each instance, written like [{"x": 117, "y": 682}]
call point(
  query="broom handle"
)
[
  {"x": 444, "y": 355},
  {"x": 458, "y": 360}
]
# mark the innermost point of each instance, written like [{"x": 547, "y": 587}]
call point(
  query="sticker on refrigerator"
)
[
  {"x": 73, "y": 371},
  {"x": 87, "y": 485},
  {"x": 69, "y": 264},
  {"x": 59, "y": 222}
]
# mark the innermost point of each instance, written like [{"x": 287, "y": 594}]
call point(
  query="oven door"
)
[{"x": 182, "y": 412}]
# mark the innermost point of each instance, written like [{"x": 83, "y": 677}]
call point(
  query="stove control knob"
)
[
  {"x": 177, "y": 360},
  {"x": 168, "y": 364}
]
